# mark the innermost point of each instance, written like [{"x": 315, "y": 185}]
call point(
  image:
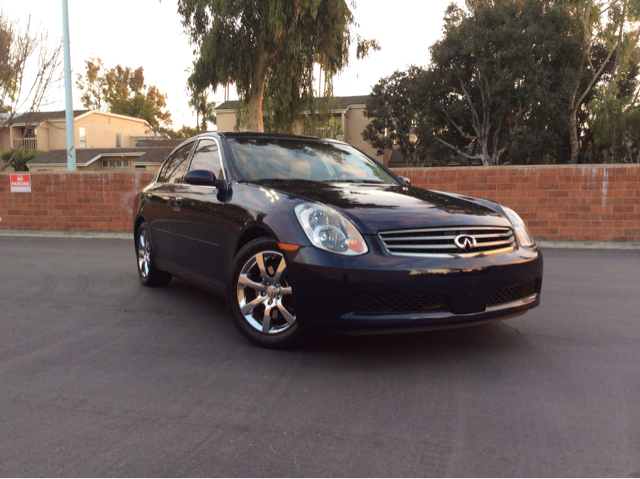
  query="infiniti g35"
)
[{"x": 302, "y": 234}]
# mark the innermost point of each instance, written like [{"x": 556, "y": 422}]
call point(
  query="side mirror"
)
[
  {"x": 405, "y": 181},
  {"x": 200, "y": 178}
]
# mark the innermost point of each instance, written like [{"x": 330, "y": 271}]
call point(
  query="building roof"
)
[
  {"x": 85, "y": 156},
  {"x": 340, "y": 102},
  {"x": 41, "y": 116},
  {"x": 160, "y": 143},
  {"x": 37, "y": 117}
]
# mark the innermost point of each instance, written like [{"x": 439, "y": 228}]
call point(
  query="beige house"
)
[
  {"x": 348, "y": 110},
  {"x": 93, "y": 129},
  {"x": 108, "y": 160}
]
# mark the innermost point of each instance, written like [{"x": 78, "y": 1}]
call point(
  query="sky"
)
[{"x": 149, "y": 33}]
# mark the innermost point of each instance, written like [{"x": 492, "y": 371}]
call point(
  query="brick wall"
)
[
  {"x": 558, "y": 203},
  {"x": 96, "y": 202},
  {"x": 600, "y": 203}
]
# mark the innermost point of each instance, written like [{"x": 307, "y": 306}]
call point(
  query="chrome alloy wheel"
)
[
  {"x": 144, "y": 253},
  {"x": 264, "y": 293}
]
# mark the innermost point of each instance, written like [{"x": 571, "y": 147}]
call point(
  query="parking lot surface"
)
[{"x": 100, "y": 376}]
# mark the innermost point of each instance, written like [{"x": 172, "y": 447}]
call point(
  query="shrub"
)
[{"x": 23, "y": 156}]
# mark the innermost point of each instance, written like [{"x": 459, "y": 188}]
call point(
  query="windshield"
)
[{"x": 293, "y": 159}]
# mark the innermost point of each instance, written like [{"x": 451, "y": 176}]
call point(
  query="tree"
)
[
  {"x": 495, "y": 91},
  {"x": 30, "y": 72},
  {"x": 205, "y": 109},
  {"x": 319, "y": 119},
  {"x": 20, "y": 157},
  {"x": 183, "y": 132},
  {"x": 601, "y": 25},
  {"x": 606, "y": 119},
  {"x": 268, "y": 49},
  {"x": 92, "y": 84},
  {"x": 392, "y": 109},
  {"x": 123, "y": 91}
]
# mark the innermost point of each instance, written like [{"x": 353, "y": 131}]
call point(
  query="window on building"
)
[
  {"x": 118, "y": 142},
  {"x": 83, "y": 137},
  {"x": 115, "y": 163}
]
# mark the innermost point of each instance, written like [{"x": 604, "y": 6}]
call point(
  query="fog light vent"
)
[
  {"x": 513, "y": 293},
  {"x": 389, "y": 303}
]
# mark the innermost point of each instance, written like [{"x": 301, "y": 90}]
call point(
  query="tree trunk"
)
[
  {"x": 573, "y": 137},
  {"x": 256, "y": 94},
  {"x": 486, "y": 157}
]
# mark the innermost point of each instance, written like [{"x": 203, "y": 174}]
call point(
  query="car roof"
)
[{"x": 249, "y": 134}]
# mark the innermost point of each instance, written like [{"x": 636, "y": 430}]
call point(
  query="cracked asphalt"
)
[{"x": 100, "y": 376}]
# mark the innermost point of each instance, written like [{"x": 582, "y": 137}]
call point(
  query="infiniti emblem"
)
[{"x": 464, "y": 242}]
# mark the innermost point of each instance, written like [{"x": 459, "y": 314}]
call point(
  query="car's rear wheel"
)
[
  {"x": 260, "y": 296},
  {"x": 149, "y": 274}
]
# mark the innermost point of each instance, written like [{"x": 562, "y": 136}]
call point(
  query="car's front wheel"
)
[{"x": 260, "y": 296}]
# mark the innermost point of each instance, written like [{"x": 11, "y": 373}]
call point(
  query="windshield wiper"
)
[
  {"x": 370, "y": 182},
  {"x": 285, "y": 179}
]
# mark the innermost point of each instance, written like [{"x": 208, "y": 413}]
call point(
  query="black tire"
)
[
  {"x": 265, "y": 295},
  {"x": 145, "y": 260}
]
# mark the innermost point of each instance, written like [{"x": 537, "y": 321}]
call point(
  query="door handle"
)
[{"x": 177, "y": 201}]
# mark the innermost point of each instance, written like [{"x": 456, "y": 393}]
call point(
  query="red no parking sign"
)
[{"x": 20, "y": 183}]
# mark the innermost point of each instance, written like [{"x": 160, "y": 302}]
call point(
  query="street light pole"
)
[{"x": 68, "y": 100}]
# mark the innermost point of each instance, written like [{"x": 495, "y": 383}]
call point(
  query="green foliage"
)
[
  {"x": 319, "y": 119},
  {"x": 92, "y": 84},
  {"x": 497, "y": 89},
  {"x": 21, "y": 158},
  {"x": 242, "y": 117},
  {"x": 321, "y": 126},
  {"x": 122, "y": 91},
  {"x": 499, "y": 83},
  {"x": 268, "y": 50},
  {"x": 183, "y": 132},
  {"x": 608, "y": 32},
  {"x": 205, "y": 109},
  {"x": 8, "y": 70},
  {"x": 366, "y": 46},
  {"x": 608, "y": 112},
  {"x": 607, "y": 119},
  {"x": 393, "y": 111}
]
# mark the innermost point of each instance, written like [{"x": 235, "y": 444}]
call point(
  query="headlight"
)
[
  {"x": 329, "y": 230},
  {"x": 524, "y": 237}
]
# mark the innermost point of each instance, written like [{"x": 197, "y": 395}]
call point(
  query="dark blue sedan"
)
[{"x": 302, "y": 234}]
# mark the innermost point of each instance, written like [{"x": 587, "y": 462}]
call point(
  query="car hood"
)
[{"x": 374, "y": 208}]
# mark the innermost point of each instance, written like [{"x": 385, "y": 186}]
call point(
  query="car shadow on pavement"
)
[
  {"x": 493, "y": 338},
  {"x": 205, "y": 310}
]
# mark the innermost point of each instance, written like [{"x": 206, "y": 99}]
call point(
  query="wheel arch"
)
[
  {"x": 136, "y": 226},
  {"x": 252, "y": 233}
]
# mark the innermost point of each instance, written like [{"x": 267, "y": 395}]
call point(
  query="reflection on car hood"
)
[{"x": 376, "y": 208}]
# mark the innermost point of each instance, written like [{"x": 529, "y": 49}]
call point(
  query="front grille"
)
[
  {"x": 441, "y": 241},
  {"x": 513, "y": 293},
  {"x": 389, "y": 303}
]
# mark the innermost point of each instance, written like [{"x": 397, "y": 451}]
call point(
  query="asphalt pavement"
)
[{"x": 100, "y": 376}]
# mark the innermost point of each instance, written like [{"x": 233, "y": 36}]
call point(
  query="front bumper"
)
[{"x": 328, "y": 288}]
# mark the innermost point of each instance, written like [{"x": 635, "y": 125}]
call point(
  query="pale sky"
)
[{"x": 148, "y": 33}]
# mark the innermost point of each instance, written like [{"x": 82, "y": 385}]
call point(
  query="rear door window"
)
[
  {"x": 176, "y": 167},
  {"x": 207, "y": 157}
]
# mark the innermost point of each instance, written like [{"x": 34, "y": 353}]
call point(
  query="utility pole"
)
[{"x": 68, "y": 100}]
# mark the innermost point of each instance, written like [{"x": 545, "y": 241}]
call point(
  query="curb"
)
[
  {"x": 602, "y": 245},
  {"x": 609, "y": 245},
  {"x": 63, "y": 234}
]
